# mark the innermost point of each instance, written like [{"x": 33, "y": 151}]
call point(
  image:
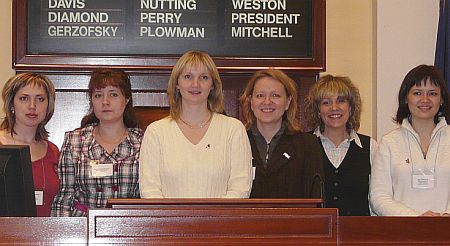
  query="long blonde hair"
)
[{"x": 190, "y": 59}]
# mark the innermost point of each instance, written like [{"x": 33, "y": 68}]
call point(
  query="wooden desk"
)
[
  {"x": 394, "y": 230},
  {"x": 126, "y": 203},
  {"x": 225, "y": 227},
  {"x": 40, "y": 230},
  {"x": 213, "y": 226}
]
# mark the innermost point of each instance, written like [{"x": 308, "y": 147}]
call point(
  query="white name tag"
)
[
  {"x": 39, "y": 197},
  {"x": 253, "y": 173},
  {"x": 102, "y": 170},
  {"x": 423, "y": 181}
]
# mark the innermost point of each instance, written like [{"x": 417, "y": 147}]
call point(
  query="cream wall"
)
[
  {"x": 5, "y": 41},
  {"x": 350, "y": 50},
  {"x": 406, "y": 37},
  {"x": 374, "y": 42}
]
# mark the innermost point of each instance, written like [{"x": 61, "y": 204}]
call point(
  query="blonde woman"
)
[
  {"x": 196, "y": 151},
  {"x": 287, "y": 163},
  {"x": 333, "y": 109}
]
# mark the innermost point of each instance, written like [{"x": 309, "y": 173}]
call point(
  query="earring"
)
[{"x": 12, "y": 110}]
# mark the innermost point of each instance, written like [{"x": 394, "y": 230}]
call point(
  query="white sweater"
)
[
  {"x": 398, "y": 154},
  {"x": 219, "y": 166}
]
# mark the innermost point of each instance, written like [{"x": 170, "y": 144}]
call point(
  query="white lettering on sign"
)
[
  {"x": 264, "y": 18},
  {"x": 259, "y": 4},
  {"x": 66, "y": 4},
  {"x": 82, "y": 31},
  {"x": 172, "y": 32},
  {"x": 78, "y": 17},
  {"x": 260, "y": 32},
  {"x": 169, "y": 4},
  {"x": 160, "y": 17}
]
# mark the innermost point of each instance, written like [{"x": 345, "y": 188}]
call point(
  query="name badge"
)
[
  {"x": 39, "y": 197},
  {"x": 423, "y": 179},
  {"x": 101, "y": 170},
  {"x": 253, "y": 173}
]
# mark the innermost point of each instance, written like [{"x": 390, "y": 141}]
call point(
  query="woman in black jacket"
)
[{"x": 286, "y": 162}]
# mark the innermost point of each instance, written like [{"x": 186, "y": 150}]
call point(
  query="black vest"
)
[{"x": 347, "y": 187}]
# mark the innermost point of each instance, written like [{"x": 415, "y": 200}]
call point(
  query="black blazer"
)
[{"x": 294, "y": 169}]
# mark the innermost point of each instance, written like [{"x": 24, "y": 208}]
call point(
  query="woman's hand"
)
[{"x": 430, "y": 213}]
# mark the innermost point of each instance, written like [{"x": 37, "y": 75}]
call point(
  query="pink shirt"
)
[{"x": 46, "y": 178}]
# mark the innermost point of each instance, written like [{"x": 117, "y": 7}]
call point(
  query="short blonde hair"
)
[
  {"x": 326, "y": 87},
  {"x": 291, "y": 91},
  {"x": 191, "y": 59},
  {"x": 12, "y": 86}
]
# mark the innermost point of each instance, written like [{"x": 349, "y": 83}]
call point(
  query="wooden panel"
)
[
  {"x": 218, "y": 226},
  {"x": 379, "y": 230},
  {"x": 213, "y": 226},
  {"x": 213, "y": 202},
  {"x": 147, "y": 115},
  {"x": 41, "y": 230}
]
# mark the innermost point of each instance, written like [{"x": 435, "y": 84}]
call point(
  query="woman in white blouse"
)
[
  {"x": 333, "y": 109},
  {"x": 411, "y": 170},
  {"x": 196, "y": 152}
]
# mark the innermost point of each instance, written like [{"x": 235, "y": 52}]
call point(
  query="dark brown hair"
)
[
  {"x": 102, "y": 77},
  {"x": 416, "y": 77}
]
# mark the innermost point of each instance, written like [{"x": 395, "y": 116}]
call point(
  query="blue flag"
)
[{"x": 442, "y": 55}]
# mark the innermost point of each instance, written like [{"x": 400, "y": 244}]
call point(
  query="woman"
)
[
  {"x": 411, "y": 171},
  {"x": 196, "y": 151},
  {"x": 288, "y": 163},
  {"x": 333, "y": 109},
  {"x": 28, "y": 104},
  {"x": 100, "y": 159}
]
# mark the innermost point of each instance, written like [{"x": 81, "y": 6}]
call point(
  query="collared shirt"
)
[
  {"x": 266, "y": 149},
  {"x": 79, "y": 190},
  {"x": 337, "y": 154}
]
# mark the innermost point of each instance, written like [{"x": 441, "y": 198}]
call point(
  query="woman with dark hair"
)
[
  {"x": 99, "y": 160},
  {"x": 286, "y": 162},
  {"x": 28, "y": 104},
  {"x": 333, "y": 109},
  {"x": 411, "y": 170},
  {"x": 197, "y": 151}
]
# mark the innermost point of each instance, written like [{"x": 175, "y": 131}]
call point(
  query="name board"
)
[{"x": 156, "y": 32}]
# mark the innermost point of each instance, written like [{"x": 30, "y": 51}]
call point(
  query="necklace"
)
[
  {"x": 114, "y": 141},
  {"x": 200, "y": 126}
]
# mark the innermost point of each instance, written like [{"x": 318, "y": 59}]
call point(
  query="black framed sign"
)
[{"x": 137, "y": 34}]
